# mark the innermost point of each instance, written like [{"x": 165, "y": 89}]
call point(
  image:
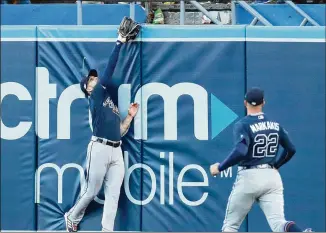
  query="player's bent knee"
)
[
  {"x": 90, "y": 194},
  {"x": 89, "y": 198}
]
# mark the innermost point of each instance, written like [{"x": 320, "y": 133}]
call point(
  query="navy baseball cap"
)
[
  {"x": 92, "y": 72},
  {"x": 255, "y": 96},
  {"x": 84, "y": 81}
]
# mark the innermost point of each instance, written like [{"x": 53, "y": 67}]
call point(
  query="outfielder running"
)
[
  {"x": 257, "y": 140},
  {"x": 104, "y": 156}
]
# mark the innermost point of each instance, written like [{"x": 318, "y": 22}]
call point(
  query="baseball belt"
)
[
  {"x": 261, "y": 166},
  {"x": 106, "y": 142}
]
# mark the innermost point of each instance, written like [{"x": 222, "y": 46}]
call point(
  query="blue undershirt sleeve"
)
[
  {"x": 239, "y": 152},
  {"x": 107, "y": 77},
  {"x": 288, "y": 149}
]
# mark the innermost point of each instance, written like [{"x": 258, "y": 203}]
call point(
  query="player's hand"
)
[
  {"x": 122, "y": 39},
  {"x": 133, "y": 109},
  {"x": 214, "y": 169}
]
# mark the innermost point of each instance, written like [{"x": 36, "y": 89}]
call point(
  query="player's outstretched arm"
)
[
  {"x": 125, "y": 125},
  {"x": 288, "y": 149},
  {"x": 112, "y": 61},
  {"x": 128, "y": 30},
  {"x": 238, "y": 153}
]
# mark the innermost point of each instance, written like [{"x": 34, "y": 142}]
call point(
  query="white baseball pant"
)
[
  {"x": 262, "y": 185},
  {"x": 104, "y": 165}
]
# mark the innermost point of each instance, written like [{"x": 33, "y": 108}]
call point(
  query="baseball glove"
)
[{"x": 129, "y": 29}]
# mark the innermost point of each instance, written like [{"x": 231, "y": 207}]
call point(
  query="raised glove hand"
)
[{"x": 128, "y": 29}]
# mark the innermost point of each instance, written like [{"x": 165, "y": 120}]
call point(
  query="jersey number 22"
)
[{"x": 265, "y": 145}]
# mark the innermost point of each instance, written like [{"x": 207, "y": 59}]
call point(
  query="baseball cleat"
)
[
  {"x": 70, "y": 225},
  {"x": 308, "y": 230}
]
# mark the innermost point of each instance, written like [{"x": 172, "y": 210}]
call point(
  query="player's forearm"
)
[
  {"x": 125, "y": 125},
  {"x": 236, "y": 155},
  {"x": 285, "y": 157},
  {"x": 112, "y": 63}
]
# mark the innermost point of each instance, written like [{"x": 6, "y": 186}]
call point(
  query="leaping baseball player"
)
[
  {"x": 105, "y": 163},
  {"x": 257, "y": 139}
]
